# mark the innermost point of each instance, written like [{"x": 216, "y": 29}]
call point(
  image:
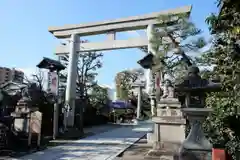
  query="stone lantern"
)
[
  {"x": 195, "y": 88},
  {"x": 139, "y": 85}
]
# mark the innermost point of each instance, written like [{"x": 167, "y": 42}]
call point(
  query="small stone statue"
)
[{"x": 168, "y": 90}]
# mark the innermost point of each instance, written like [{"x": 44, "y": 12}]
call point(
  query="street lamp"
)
[
  {"x": 53, "y": 66},
  {"x": 147, "y": 62}
]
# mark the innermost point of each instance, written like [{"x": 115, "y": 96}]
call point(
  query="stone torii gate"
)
[{"x": 73, "y": 33}]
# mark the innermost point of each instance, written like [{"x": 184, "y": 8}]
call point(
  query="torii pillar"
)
[{"x": 70, "y": 95}]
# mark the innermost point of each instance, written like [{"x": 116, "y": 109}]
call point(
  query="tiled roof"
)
[{"x": 51, "y": 64}]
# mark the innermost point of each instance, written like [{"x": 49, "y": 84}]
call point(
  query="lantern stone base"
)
[{"x": 196, "y": 144}]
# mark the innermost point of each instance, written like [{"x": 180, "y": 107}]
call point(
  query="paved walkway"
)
[
  {"x": 104, "y": 146},
  {"x": 92, "y": 131}
]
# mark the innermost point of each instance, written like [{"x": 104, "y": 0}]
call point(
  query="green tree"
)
[
  {"x": 99, "y": 97},
  {"x": 124, "y": 81},
  {"x": 223, "y": 126},
  {"x": 88, "y": 64},
  {"x": 170, "y": 43}
]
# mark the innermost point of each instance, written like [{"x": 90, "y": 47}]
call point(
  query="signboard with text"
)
[{"x": 52, "y": 82}]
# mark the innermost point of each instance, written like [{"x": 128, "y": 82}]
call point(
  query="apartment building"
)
[{"x": 7, "y": 74}]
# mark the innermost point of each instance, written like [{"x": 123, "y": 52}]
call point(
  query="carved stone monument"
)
[
  {"x": 196, "y": 145},
  {"x": 27, "y": 119},
  {"x": 169, "y": 124}
]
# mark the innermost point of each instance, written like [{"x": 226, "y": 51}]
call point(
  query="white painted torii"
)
[{"x": 110, "y": 27}]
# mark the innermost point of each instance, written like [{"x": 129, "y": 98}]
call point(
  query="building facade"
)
[{"x": 7, "y": 74}]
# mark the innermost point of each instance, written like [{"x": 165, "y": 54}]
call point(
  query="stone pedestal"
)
[
  {"x": 169, "y": 128},
  {"x": 196, "y": 144}
]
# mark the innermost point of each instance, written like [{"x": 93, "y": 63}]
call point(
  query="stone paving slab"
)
[{"x": 104, "y": 146}]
